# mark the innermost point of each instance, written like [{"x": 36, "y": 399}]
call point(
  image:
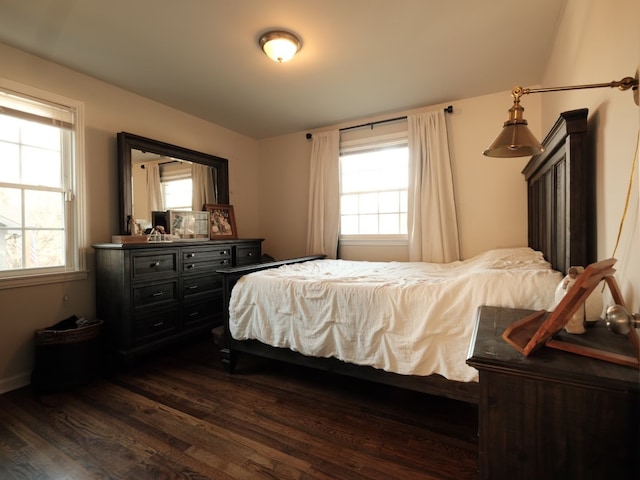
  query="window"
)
[
  {"x": 374, "y": 175},
  {"x": 40, "y": 158},
  {"x": 177, "y": 194},
  {"x": 177, "y": 185}
]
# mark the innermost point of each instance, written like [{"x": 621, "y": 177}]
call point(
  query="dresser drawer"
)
[
  {"x": 209, "y": 311},
  {"x": 156, "y": 325},
  {"x": 204, "y": 266},
  {"x": 155, "y": 294},
  {"x": 192, "y": 286},
  {"x": 154, "y": 264},
  {"x": 248, "y": 254},
  {"x": 205, "y": 254},
  {"x": 203, "y": 259}
]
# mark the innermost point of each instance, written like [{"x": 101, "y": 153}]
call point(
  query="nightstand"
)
[{"x": 552, "y": 414}]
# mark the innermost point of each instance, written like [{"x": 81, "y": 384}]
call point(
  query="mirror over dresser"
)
[
  {"x": 151, "y": 295},
  {"x": 137, "y": 154}
]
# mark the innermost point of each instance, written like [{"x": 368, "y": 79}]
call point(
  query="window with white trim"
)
[
  {"x": 374, "y": 177},
  {"x": 40, "y": 172}
]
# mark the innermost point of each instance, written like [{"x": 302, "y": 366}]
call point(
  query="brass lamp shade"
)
[{"x": 515, "y": 139}]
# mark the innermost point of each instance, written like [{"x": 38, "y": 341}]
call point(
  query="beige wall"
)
[
  {"x": 599, "y": 41},
  {"x": 490, "y": 192},
  {"x": 108, "y": 110}
]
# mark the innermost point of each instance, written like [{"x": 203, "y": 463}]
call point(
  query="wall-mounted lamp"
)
[
  {"x": 280, "y": 46},
  {"x": 516, "y": 140}
]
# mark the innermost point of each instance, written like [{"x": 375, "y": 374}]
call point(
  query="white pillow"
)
[{"x": 510, "y": 258}]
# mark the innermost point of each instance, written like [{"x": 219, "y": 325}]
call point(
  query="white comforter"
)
[{"x": 411, "y": 318}]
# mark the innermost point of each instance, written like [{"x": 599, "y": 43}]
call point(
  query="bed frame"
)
[{"x": 561, "y": 221}]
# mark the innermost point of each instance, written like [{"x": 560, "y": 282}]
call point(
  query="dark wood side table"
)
[{"x": 553, "y": 414}]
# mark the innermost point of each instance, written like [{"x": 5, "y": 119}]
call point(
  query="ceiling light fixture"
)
[
  {"x": 280, "y": 46},
  {"x": 516, "y": 140}
]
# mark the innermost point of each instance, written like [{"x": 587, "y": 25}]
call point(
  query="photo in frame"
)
[
  {"x": 222, "y": 221},
  {"x": 188, "y": 226}
]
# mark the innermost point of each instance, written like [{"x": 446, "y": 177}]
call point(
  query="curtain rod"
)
[
  {"x": 448, "y": 109},
  {"x": 162, "y": 163}
]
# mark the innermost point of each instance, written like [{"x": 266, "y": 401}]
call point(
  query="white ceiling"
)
[{"x": 359, "y": 58}]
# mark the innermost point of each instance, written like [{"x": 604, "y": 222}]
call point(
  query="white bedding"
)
[{"x": 411, "y": 318}]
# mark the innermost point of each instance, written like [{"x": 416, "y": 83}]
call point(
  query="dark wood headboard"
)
[{"x": 561, "y": 195}]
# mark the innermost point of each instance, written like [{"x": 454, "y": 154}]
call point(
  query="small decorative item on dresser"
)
[
  {"x": 188, "y": 226},
  {"x": 122, "y": 239},
  {"x": 223, "y": 221}
]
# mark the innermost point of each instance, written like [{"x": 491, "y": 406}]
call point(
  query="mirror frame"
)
[{"x": 129, "y": 141}]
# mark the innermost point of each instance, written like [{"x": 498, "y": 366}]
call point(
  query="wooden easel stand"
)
[{"x": 535, "y": 330}]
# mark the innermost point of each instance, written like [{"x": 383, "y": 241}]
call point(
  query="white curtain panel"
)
[
  {"x": 432, "y": 218},
  {"x": 324, "y": 194},
  {"x": 154, "y": 189},
  {"x": 202, "y": 186}
]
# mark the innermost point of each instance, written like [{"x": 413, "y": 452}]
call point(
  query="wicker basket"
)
[
  {"x": 49, "y": 336},
  {"x": 66, "y": 358}
]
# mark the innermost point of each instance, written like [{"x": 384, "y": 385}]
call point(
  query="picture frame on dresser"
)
[
  {"x": 222, "y": 221},
  {"x": 188, "y": 226}
]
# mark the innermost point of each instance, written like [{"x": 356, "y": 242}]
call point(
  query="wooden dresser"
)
[
  {"x": 553, "y": 415},
  {"x": 154, "y": 294}
]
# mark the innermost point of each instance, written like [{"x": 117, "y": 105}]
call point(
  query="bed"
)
[{"x": 409, "y": 324}]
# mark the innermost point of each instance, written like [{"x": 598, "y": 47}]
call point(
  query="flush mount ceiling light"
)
[
  {"x": 516, "y": 140},
  {"x": 280, "y": 46}
]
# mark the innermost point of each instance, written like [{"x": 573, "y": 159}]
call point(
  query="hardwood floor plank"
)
[
  {"x": 179, "y": 415},
  {"x": 141, "y": 419},
  {"x": 234, "y": 449},
  {"x": 39, "y": 456}
]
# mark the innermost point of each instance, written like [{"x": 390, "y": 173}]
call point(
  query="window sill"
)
[
  {"x": 372, "y": 240},
  {"x": 42, "y": 279}
]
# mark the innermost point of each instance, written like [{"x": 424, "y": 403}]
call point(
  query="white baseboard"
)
[{"x": 15, "y": 382}]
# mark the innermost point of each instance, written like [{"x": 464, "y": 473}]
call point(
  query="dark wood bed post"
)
[
  {"x": 228, "y": 356},
  {"x": 561, "y": 195}
]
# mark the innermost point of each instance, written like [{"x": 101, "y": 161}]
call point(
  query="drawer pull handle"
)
[
  {"x": 193, "y": 265},
  {"x": 159, "y": 324},
  {"x": 157, "y": 294},
  {"x": 250, "y": 254},
  {"x": 155, "y": 264},
  {"x": 193, "y": 287},
  {"x": 191, "y": 255},
  {"x": 224, "y": 262},
  {"x": 223, "y": 252}
]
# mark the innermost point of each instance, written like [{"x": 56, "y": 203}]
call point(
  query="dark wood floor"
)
[{"x": 180, "y": 416}]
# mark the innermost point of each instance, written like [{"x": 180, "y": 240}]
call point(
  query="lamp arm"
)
[{"x": 625, "y": 84}]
